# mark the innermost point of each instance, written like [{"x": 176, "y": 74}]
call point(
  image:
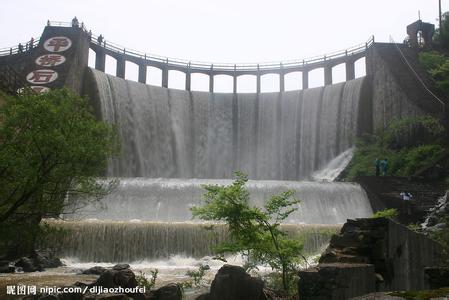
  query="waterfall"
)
[
  {"x": 271, "y": 136},
  {"x": 174, "y": 142},
  {"x": 109, "y": 241},
  {"x": 170, "y": 200}
]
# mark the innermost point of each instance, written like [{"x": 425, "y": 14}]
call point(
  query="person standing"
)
[
  {"x": 384, "y": 167},
  {"x": 377, "y": 165},
  {"x": 406, "y": 200},
  {"x": 75, "y": 22}
]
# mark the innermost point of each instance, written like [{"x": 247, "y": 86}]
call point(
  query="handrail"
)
[
  {"x": 231, "y": 66},
  {"x": 206, "y": 66},
  {"x": 15, "y": 49}
]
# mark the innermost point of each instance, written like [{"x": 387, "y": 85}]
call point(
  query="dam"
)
[{"x": 175, "y": 141}]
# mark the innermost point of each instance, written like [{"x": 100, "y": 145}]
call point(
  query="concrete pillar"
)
[
  {"x": 100, "y": 60},
  {"x": 211, "y": 82},
  {"x": 305, "y": 79},
  {"x": 235, "y": 84},
  {"x": 143, "y": 73},
  {"x": 165, "y": 77},
  {"x": 350, "y": 70},
  {"x": 188, "y": 81},
  {"x": 120, "y": 70},
  {"x": 327, "y": 75},
  {"x": 282, "y": 82}
]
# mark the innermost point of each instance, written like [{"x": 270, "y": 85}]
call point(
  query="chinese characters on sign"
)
[
  {"x": 45, "y": 76},
  {"x": 42, "y": 76},
  {"x": 51, "y": 60},
  {"x": 57, "y": 44}
]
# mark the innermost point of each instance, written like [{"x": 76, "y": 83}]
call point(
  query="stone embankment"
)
[{"x": 370, "y": 255}]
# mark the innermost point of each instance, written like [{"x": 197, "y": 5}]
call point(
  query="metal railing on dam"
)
[{"x": 103, "y": 48}]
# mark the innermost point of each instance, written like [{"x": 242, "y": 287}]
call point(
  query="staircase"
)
[{"x": 384, "y": 192}]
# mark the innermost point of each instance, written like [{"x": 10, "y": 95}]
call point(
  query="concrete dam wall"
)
[{"x": 182, "y": 134}]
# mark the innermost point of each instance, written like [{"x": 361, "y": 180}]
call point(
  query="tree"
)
[
  {"x": 441, "y": 36},
  {"x": 51, "y": 146},
  {"x": 255, "y": 232}
]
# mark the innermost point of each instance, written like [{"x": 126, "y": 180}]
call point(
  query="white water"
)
[
  {"x": 170, "y": 200},
  {"x": 334, "y": 168},
  {"x": 273, "y": 136},
  {"x": 172, "y": 137}
]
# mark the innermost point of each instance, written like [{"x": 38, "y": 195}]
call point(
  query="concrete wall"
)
[
  {"x": 336, "y": 281},
  {"x": 409, "y": 253},
  {"x": 70, "y": 73},
  {"x": 396, "y": 91},
  {"x": 397, "y": 255}
]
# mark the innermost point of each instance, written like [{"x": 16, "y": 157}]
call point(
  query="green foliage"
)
[
  {"x": 389, "y": 213},
  {"x": 142, "y": 280},
  {"x": 51, "y": 147},
  {"x": 441, "y": 36},
  {"x": 255, "y": 232},
  {"x": 409, "y": 144},
  {"x": 438, "y": 66},
  {"x": 431, "y": 59},
  {"x": 197, "y": 277},
  {"x": 414, "y": 227}
]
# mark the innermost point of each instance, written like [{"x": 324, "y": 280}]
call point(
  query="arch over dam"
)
[
  {"x": 347, "y": 57},
  {"x": 399, "y": 85}
]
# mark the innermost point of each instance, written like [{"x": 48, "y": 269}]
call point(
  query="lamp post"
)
[{"x": 439, "y": 15}]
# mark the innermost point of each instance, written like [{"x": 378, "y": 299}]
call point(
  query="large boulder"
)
[
  {"x": 232, "y": 282},
  {"x": 28, "y": 265},
  {"x": 46, "y": 259},
  {"x": 171, "y": 291},
  {"x": 97, "y": 270}
]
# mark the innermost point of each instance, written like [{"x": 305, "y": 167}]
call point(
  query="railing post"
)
[
  {"x": 211, "y": 79},
  {"x": 305, "y": 79},
  {"x": 142, "y": 73},
  {"x": 121, "y": 64},
  {"x": 234, "y": 87},
  {"x": 328, "y": 75},
  {"x": 165, "y": 75},
  {"x": 188, "y": 78},
  {"x": 258, "y": 80}
]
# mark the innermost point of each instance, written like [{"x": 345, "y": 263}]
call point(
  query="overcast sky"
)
[{"x": 224, "y": 31}]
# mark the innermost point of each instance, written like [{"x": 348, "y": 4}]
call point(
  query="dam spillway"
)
[
  {"x": 147, "y": 219},
  {"x": 172, "y": 133},
  {"x": 170, "y": 200},
  {"x": 175, "y": 141}
]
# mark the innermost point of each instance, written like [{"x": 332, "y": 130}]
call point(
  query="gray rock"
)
[
  {"x": 171, "y": 291},
  {"x": 119, "y": 267},
  {"x": 97, "y": 270},
  {"x": 28, "y": 265},
  {"x": 232, "y": 282}
]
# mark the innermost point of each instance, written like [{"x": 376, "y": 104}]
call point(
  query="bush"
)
[
  {"x": 142, "y": 280},
  {"x": 409, "y": 144},
  {"x": 389, "y": 213},
  {"x": 254, "y": 232}
]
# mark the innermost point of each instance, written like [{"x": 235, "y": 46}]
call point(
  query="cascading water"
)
[
  {"x": 272, "y": 136},
  {"x": 175, "y": 141},
  {"x": 170, "y": 200}
]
